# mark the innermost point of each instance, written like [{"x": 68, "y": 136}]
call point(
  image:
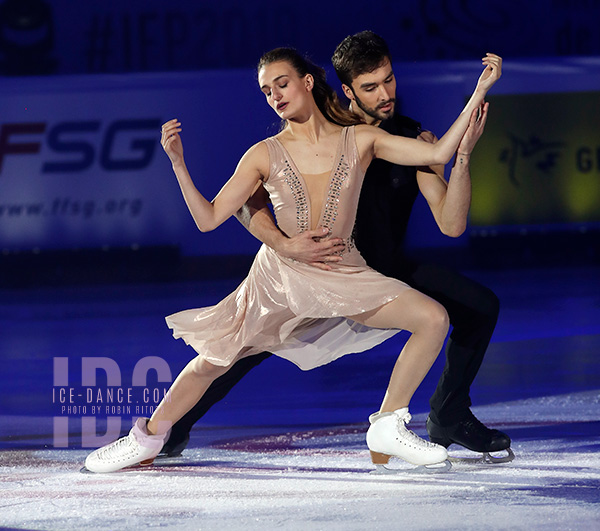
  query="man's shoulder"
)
[{"x": 401, "y": 125}]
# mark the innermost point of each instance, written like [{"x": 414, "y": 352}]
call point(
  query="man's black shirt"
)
[{"x": 387, "y": 197}]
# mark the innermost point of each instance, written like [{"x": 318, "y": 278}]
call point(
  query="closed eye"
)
[{"x": 268, "y": 93}]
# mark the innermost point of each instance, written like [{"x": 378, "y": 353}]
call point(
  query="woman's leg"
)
[
  {"x": 428, "y": 322},
  {"x": 180, "y": 433},
  {"x": 189, "y": 386},
  {"x": 145, "y": 440}
]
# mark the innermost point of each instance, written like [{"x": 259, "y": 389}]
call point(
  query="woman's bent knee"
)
[
  {"x": 442, "y": 320},
  {"x": 434, "y": 320}
]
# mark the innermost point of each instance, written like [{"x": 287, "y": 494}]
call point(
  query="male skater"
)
[{"x": 363, "y": 64}]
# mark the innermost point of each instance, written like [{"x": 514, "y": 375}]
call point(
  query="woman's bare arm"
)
[
  {"x": 412, "y": 152},
  {"x": 208, "y": 215}
]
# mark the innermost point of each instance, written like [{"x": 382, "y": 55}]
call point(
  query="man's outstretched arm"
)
[{"x": 309, "y": 247}]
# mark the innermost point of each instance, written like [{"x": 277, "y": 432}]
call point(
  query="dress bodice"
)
[{"x": 290, "y": 198}]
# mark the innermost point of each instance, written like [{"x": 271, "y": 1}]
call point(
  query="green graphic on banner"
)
[{"x": 538, "y": 161}]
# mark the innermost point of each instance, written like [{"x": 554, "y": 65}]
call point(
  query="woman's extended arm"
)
[
  {"x": 208, "y": 215},
  {"x": 411, "y": 152}
]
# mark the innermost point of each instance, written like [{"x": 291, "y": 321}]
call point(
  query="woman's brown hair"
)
[{"x": 325, "y": 97}]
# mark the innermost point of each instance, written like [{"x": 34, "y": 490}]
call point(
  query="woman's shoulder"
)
[
  {"x": 257, "y": 157},
  {"x": 366, "y": 129},
  {"x": 259, "y": 149},
  {"x": 367, "y": 133}
]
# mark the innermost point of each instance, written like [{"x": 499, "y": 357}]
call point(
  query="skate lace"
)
[
  {"x": 472, "y": 423},
  {"x": 116, "y": 449},
  {"x": 402, "y": 422}
]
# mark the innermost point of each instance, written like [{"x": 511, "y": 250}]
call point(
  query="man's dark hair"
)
[{"x": 358, "y": 54}]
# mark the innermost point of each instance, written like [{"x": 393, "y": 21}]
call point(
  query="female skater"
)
[{"x": 313, "y": 171}]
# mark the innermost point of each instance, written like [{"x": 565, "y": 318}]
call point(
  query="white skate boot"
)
[
  {"x": 137, "y": 448},
  {"x": 388, "y": 437}
]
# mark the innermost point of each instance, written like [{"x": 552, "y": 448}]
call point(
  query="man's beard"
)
[{"x": 374, "y": 113}]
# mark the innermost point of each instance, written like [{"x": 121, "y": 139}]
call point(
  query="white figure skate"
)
[
  {"x": 389, "y": 437},
  {"x": 137, "y": 448}
]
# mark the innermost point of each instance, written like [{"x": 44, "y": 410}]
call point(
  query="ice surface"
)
[
  {"x": 261, "y": 478},
  {"x": 285, "y": 449}
]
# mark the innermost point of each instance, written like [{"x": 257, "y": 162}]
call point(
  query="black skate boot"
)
[
  {"x": 175, "y": 445},
  {"x": 473, "y": 435}
]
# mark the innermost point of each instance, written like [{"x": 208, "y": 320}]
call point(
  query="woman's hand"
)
[
  {"x": 475, "y": 129},
  {"x": 171, "y": 141},
  {"x": 491, "y": 74}
]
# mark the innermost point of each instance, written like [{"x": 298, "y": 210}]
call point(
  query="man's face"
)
[{"x": 374, "y": 93}]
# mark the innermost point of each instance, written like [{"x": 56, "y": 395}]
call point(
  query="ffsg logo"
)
[{"x": 121, "y": 146}]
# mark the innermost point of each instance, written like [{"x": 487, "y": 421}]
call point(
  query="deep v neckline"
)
[{"x": 331, "y": 173}]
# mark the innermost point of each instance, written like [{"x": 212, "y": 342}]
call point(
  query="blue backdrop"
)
[{"x": 80, "y": 161}]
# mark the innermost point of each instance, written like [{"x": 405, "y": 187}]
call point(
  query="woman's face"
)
[{"x": 286, "y": 92}]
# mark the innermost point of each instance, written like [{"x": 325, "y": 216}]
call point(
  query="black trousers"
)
[{"x": 473, "y": 311}]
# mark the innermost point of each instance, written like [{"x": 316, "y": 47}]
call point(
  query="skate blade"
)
[
  {"x": 486, "y": 459},
  {"x": 438, "y": 468},
  {"x": 146, "y": 463},
  {"x": 163, "y": 457}
]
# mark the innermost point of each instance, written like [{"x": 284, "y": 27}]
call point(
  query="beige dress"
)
[{"x": 289, "y": 308}]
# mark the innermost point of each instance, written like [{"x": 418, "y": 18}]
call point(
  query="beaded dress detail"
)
[{"x": 289, "y": 308}]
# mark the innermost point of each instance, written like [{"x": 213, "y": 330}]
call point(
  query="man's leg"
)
[
  {"x": 180, "y": 433},
  {"x": 473, "y": 311}
]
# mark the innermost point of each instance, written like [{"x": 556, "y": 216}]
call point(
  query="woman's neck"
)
[{"x": 310, "y": 130}]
